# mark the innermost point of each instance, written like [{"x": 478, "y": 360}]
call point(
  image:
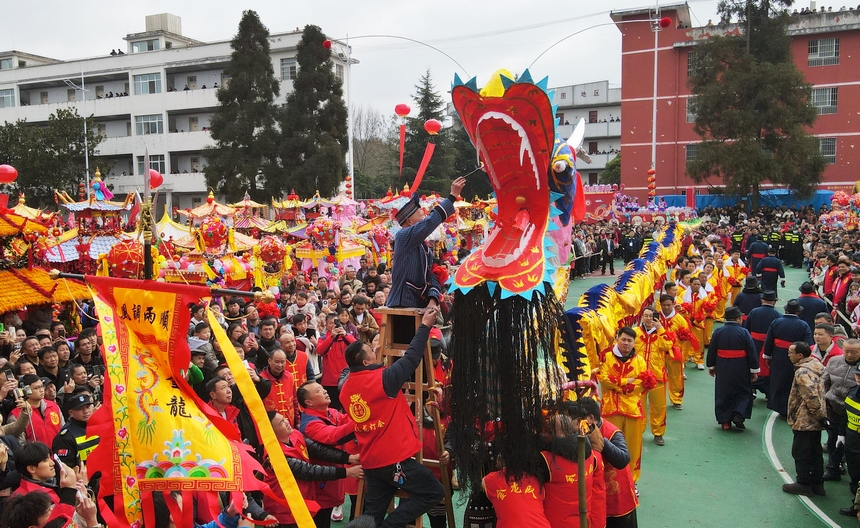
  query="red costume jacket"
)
[
  {"x": 282, "y": 397},
  {"x": 42, "y": 428}
]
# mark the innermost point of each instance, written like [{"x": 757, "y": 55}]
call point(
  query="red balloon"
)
[
  {"x": 432, "y": 126},
  {"x": 327, "y": 44},
  {"x": 665, "y": 22},
  {"x": 402, "y": 110},
  {"x": 8, "y": 174},
  {"x": 155, "y": 179}
]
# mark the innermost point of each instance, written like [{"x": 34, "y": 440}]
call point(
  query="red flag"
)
[{"x": 428, "y": 153}]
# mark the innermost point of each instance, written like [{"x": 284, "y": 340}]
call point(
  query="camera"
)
[
  {"x": 9, "y": 374},
  {"x": 18, "y": 394},
  {"x": 337, "y": 324}
]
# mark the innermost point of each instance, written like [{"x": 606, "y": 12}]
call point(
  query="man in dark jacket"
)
[
  {"x": 769, "y": 270},
  {"x": 781, "y": 334},
  {"x": 756, "y": 251},
  {"x": 732, "y": 359},
  {"x": 412, "y": 283},
  {"x": 758, "y": 323},
  {"x": 812, "y": 304}
]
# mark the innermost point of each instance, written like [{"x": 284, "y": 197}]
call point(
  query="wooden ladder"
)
[{"x": 395, "y": 333}]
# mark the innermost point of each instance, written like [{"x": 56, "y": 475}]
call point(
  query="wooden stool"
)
[{"x": 395, "y": 333}]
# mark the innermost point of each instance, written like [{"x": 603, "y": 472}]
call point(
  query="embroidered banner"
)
[{"x": 157, "y": 435}]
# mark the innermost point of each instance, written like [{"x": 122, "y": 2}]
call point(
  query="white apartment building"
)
[
  {"x": 600, "y": 106},
  {"x": 159, "y": 94}
]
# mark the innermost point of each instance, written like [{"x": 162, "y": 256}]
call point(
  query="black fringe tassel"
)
[{"x": 497, "y": 348}]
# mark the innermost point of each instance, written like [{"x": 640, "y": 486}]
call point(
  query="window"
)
[
  {"x": 5, "y": 64},
  {"x": 288, "y": 69},
  {"x": 592, "y": 116},
  {"x": 824, "y": 52},
  {"x": 827, "y": 148},
  {"x": 691, "y": 63},
  {"x": 7, "y": 98},
  {"x": 824, "y": 100},
  {"x": 156, "y": 161},
  {"x": 691, "y": 152},
  {"x": 149, "y": 124},
  {"x": 338, "y": 70},
  {"x": 691, "y": 109},
  {"x": 149, "y": 83},
  {"x": 70, "y": 94},
  {"x": 145, "y": 45}
]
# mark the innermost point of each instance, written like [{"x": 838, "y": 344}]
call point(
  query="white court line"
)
[{"x": 771, "y": 453}]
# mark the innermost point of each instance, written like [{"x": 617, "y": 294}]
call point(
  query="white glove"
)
[{"x": 840, "y": 440}]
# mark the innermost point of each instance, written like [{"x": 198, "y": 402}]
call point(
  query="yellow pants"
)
[
  {"x": 633, "y": 429},
  {"x": 675, "y": 371},
  {"x": 709, "y": 329},
  {"x": 735, "y": 291},
  {"x": 720, "y": 310},
  {"x": 656, "y": 399},
  {"x": 697, "y": 355}
]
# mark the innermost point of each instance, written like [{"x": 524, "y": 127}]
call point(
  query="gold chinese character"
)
[
  {"x": 515, "y": 488},
  {"x": 500, "y": 494}
]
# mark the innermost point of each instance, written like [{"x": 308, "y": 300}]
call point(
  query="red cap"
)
[{"x": 435, "y": 333}]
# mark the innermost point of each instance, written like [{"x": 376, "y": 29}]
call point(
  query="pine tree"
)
[
  {"x": 314, "y": 143},
  {"x": 440, "y": 172},
  {"x": 243, "y": 126},
  {"x": 753, "y": 105}
]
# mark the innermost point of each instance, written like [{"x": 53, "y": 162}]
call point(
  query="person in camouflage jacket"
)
[{"x": 807, "y": 417}]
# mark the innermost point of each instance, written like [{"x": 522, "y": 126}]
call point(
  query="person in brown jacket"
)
[{"x": 807, "y": 417}]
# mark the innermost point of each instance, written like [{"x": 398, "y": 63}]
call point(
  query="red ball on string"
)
[
  {"x": 651, "y": 172},
  {"x": 8, "y": 174},
  {"x": 665, "y": 22},
  {"x": 327, "y": 44},
  {"x": 432, "y": 126},
  {"x": 155, "y": 179},
  {"x": 402, "y": 110}
]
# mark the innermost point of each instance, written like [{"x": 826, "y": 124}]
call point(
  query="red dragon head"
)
[{"x": 512, "y": 125}]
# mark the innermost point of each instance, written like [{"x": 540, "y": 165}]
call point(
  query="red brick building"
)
[{"x": 816, "y": 43}]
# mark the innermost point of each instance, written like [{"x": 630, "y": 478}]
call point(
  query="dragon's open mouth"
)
[
  {"x": 514, "y": 137},
  {"x": 514, "y": 229}
]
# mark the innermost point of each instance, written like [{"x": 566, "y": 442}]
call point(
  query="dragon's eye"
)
[{"x": 559, "y": 166}]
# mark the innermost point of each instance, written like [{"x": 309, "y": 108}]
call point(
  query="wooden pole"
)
[
  {"x": 146, "y": 220},
  {"x": 580, "y": 470},
  {"x": 263, "y": 296}
]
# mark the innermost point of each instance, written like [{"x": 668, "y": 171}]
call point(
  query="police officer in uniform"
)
[
  {"x": 737, "y": 239},
  {"x": 72, "y": 445}
]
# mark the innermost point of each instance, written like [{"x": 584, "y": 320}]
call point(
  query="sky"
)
[{"x": 480, "y": 35}]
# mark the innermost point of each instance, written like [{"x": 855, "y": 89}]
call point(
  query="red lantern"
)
[
  {"x": 651, "y": 179},
  {"x": 126, "y": 259},
  {"x": 272, "y": 250},
  {"x": 665, "y": 22},
  {"x": 8, "y": 174},
  {"x": 155, "y": 179},
  {"x": 327, "y": 44},
  {"x": 402, "y": 110},
  {"x": 651, "y": 172},
  {"x": 214, "y": 234},
  {"x": 432, "y": 126}
]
